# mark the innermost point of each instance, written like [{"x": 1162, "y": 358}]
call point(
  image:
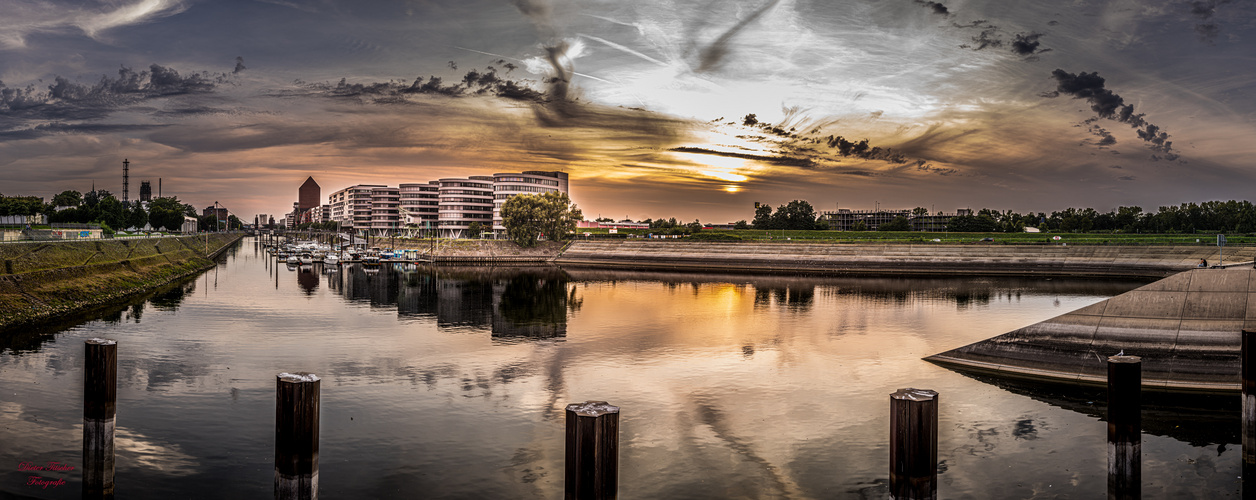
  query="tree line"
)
[
  {"x": 1211, "y": 216},
  {"x": 104, "y": 209}
]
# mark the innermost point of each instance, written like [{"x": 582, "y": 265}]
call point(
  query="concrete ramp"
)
[{"x": 1186, "y": 328}]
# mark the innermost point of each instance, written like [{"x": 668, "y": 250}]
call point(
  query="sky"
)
[{"x": 1012, "y": 105}]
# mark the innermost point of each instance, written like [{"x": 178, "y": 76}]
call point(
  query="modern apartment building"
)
[
  {"x": 463, "y": 201},
  {"x": 385, "y": 213},
  {"x": 420, "y": 204},
  {"x": 506, "y": 186},
  {"x": 352, "y": 206},
  {"x": 449, "y": 205}
]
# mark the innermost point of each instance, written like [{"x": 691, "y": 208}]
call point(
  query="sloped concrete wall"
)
[
  {"x": 1185, "y": 327},
  {"x": 934, "y": 259}
]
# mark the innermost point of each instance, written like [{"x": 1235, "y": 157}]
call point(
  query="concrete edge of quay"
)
[{"x": 38, "y": 309}]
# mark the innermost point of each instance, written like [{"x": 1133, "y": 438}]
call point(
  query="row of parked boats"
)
[{"x": 308, "y": 253}]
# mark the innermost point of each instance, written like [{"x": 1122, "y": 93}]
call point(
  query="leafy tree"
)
[
  {"x": 604, "y": 219},
  {"x": 763, "y": 217},
  {"x": 972, "y": 224},
  {"x": 110, "y": 210},
  {"x": 168, "y": 212},
  {"x": 474, "y": 229},
  {"x": 663, "y": 223},
  {"x": 859, "y": 226},
  {"x": 137, "y": 217},
  {"x": 918, "y": 211},
  {"x": 797, "y": 214},
  {"x": 21, "y": 205},
  {"x": 822, "y": 225},
  {"x": 741, "y": 224},
  {"x": 528, "y": 216},
  {"x": 898, "y": 224},
  {"x": 67, "y": 199},
  {"x": 210, "y": 223}
]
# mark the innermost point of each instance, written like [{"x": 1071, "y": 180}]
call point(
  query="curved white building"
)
[
  {"x": 533, "y": 182},
  {"x": 463, "y": 201}
]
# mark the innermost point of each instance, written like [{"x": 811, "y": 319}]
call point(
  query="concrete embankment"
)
[
  {"x": 41, "y": 281},
  {"x": 1187, "y": 329},
  {"x": 901, "y": 259}
]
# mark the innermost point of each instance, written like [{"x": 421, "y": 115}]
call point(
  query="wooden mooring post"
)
[
  {"x": 296, "y": 436},
  {"x": 1248, "y": 371},
  {"x": 592, "y": 454},
  {"x": 914, "y": 444},
  {"x": 100, "y": 406},
  {"x": 1125, "y": 426}
]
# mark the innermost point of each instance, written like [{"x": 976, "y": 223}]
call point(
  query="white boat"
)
[
  {"x": 331, "y": 259},
  {"x": 293, "y": 260},
  {"x": 305, "y": 259}
]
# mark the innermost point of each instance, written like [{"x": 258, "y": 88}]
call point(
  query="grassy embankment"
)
[
  {"x": 954, "y": 238},
  {"x": 42, "y": 280}
]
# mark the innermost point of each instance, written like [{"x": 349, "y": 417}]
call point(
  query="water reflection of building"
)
[
  {"x": 512, "y": 302},
  {"x": 307, "y": 279}
]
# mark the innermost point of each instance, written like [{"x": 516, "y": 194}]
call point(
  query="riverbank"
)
[
  {"x": 41, "y": 281},
  {"x": 1098, "y": 261}
]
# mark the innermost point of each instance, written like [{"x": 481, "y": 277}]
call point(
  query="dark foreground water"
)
[{"x": 451, "y": 383}]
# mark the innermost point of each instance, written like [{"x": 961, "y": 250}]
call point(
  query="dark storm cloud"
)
[
  {"x": 710, "y": 57},
  {"x": 774, "y": 160},
  {"x": 936, "y": 7},
  {"x": 1126, "y": 178},
  {"x": 66, "y": 100},
  {"x": 807, "y": 143},
  {"x": 1109, "y": 105},
  {"x": 1105, "y": 137},
  {"x": 1026, "y": 44},
  {"x": 1204, "y": 11},
  {"x": 239, "y": 65},
  {"x": 987, "y": 38},
  {"x": 923, "y": 166},
  {"x": 473, "y": 83}
]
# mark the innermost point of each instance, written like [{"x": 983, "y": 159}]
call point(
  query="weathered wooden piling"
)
[
  {"x": 1125, "y": 379},
  {"x": 914, "y": 444},
  {"x": 1248, "y": 372},
  {"x": 296, "y": 436},
  {"x": 592, "y": 458},
  {"x": 100, "y": 406}
]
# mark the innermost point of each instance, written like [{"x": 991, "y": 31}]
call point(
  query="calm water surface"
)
[{"x": 451, "y": 383}]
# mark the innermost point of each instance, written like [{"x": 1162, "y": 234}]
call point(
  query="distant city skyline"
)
[{"x": 654, "y": 109}]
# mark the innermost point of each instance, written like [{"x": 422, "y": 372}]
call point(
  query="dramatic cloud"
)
[
  {"x": 1204, "y": 11},
  {"x": 936, "y": 7},
  {"x": 67, "y": 100},
  {"x": 23, "y": 18},
  {"x": 856, "y": 101},
  {"x": 710, "y": 57},
  {"x": 1026, "y": 45},
  {"x": 1109, "y": 105}
]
